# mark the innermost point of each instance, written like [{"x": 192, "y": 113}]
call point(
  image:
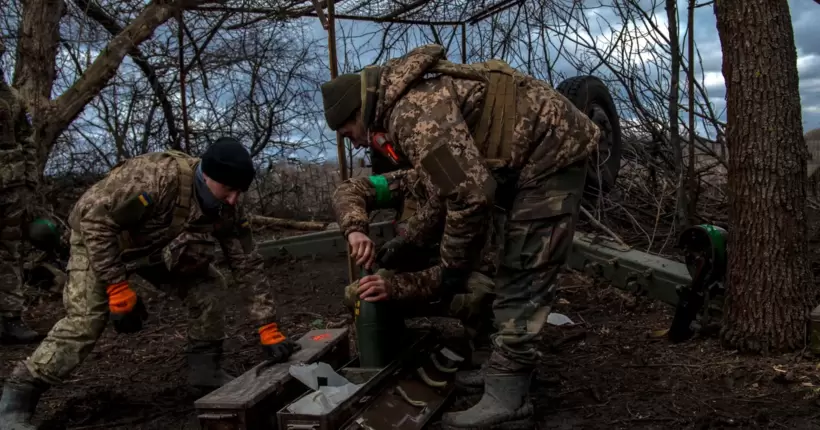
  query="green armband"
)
[{"x": 383, "y": 195}]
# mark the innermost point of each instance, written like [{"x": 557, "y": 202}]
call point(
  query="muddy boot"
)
[
  {"x": 470, "y": 381},
  {"x": 16, "y": 331},
  {"x": 21, "y": 393},
  {"x": 204, "y": 370},
  {"x": 504, "y": 405}
]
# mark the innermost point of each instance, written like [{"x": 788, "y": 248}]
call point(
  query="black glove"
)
[
  {"x": 454, "y": 280},
  {"x": 390, "y": 254},
  {"x": 130, "y": 322},
  {"x": 280, "y": 352}
]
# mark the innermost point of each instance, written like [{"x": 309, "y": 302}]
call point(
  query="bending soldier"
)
[
  {"x": 18, "y": 187},
  {"x": 412, "y": 272},
  {"x": 482, "y": 135},
  {"x": 158, "y": 215}
]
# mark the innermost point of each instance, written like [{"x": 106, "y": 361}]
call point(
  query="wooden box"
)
[{"x": 250, "y": 401}]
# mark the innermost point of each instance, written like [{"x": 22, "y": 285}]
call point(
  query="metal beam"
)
[{"x": 628, "y": 269}]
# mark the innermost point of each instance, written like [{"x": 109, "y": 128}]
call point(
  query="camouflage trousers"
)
[
  {"x": 86, "y": 303},
  {"x": 11, "y": 280},
  {"x": 11, "y": 244},
  {"x": 537, "y": 242}
]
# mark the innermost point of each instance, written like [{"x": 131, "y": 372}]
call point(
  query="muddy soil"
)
[{"x": 612, "y": 370}]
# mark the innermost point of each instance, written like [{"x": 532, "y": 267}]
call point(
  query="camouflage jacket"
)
[
  {"x": 355, "y": 198},
  {"x": 157, "y": 181},
  {"x": 425, "y": 118}
]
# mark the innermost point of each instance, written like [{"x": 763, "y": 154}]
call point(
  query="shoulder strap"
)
[{"x": 182, "y": 207}]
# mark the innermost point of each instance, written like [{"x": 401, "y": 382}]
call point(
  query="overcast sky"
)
[{"x": 805, "y": 17}]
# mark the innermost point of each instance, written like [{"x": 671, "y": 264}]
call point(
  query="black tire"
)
[{"x": 591, "y": 96}]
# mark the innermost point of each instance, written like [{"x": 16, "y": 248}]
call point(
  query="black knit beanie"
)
[{"x": 229, "y": 163}]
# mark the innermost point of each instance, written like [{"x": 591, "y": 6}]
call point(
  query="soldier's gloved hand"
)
[
  {"x": 278, "y": 348},
  {"x": 127, "y": 310},
  {"x": 454, "y": 280},
  {"x": 391, "y": 253}
]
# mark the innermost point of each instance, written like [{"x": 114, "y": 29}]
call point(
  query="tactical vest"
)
[
  {"x": 408, "y": 209},
  {"x": 492, "y": 130},
  {"x": 182, "y": 206}
]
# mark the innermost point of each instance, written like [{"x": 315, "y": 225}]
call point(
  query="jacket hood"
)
[{"x": 398, "y": 74}]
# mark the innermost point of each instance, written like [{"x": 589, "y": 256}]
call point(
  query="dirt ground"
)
[{"x": 611, "y": 370}]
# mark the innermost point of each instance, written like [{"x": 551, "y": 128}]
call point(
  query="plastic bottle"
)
[{"x": 379, "y": 332}]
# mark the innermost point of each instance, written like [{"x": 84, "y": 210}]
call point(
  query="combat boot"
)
[
  {"x": 16, "y": 331},
  {"x": 505, "y": 404},
  {"x": 21, "y": 393},
  {"x": 204, "y": 365},
  {"x": 470, "y": 381}
]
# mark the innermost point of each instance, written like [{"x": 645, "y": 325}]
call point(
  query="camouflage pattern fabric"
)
[
  {"x": 355, "y": 198},
  {"x": 159, "y": 179},
  {"x": 430, "y": 119},
  {"x": 427, "y": 120},
  {"x": 72, "y": 338},
  {"x": 467, "y": 306},
  {"x": 537, "y": 243},
  {"x": 183, "y": 262},
  {"x": 18, "y": 182}
]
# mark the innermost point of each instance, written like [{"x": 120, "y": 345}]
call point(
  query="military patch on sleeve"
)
[
  {"x": 131, "y": 212},
  {"x": 444, "y": 169}
]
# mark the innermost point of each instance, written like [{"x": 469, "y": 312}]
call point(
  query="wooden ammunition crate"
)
[
  {"x": 378, "y": 390},
  {"x": 250, "y": 401}
]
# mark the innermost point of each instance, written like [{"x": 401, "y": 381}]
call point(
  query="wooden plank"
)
[{"x": 253, "y": 386}]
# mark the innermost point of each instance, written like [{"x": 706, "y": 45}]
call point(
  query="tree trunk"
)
[
  {"x": 768, "y": 298},
  {"x": 35, "y": 68}
]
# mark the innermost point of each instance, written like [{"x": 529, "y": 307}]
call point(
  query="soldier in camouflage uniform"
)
[
  {"x": 18, "y": 188},
  {"x": 160, "y": 216},
  {"x": 413, "y": 274},
  {"x": 482, "y": 135}
]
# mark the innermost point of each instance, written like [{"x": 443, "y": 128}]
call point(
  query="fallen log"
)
[{"x": 264, "y": 221}]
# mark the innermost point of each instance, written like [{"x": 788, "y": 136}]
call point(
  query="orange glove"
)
[
  {"x": 277, "y": 347},
  {"x": 121, "y": 298},
  {"x": 127, "y": 309}
]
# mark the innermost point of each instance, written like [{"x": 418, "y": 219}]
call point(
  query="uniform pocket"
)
[
  {"x": 189, "y": 256},
  {"x": 539, "y": 231}
]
